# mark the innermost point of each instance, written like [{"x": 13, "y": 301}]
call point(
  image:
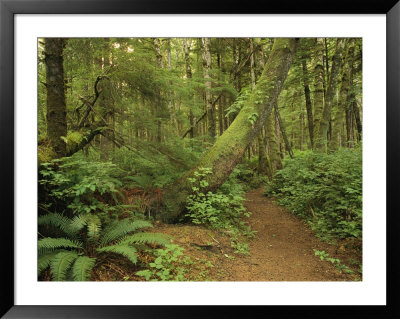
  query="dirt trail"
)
[{"x": 282, "y": 249}]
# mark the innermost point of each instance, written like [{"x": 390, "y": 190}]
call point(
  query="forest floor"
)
[{"x": 282, "y": 249}]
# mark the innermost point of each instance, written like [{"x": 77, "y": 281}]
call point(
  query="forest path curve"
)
[{"x": 283, "y": 247}]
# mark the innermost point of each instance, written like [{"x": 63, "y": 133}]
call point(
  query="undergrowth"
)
[
  {"x": 325, "y": 189},
  {"x": 222, "y": 209},
  {"x": 73, "y": 256}
]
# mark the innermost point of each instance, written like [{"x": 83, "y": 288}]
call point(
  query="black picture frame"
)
[{"x": 8, "y": 8}]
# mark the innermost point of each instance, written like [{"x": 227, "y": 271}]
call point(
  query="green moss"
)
[{"x": 45, "y": 154}]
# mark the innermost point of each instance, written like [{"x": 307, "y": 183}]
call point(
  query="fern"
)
[
  {"x": 61, "y": 263},
  {"x": 59, "y": 221},
  {"x": 82, "y": 268},
  {"x": 121, "y": 228},
  {"x": 46, "y": 245},
  {"x": 124, "y": 250},
  {"x": 145, "y": 238},
  {"x": 93, "y": 226},
  {"x": 44, "y": 261},
  {"x": 68, "y": 257}
]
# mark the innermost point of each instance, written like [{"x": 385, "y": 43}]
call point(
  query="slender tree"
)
[
  {"x": 210, "y": 107},
  {"x": 330, "y": 93},
  {"x": 307, "y": 96}
]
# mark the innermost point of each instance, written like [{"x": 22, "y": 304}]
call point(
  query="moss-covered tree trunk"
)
[
  {"x": 321, "y": 142},
  {"x": 345, "y": 98},
  {"x": 273, "y": 148},
  {"x": 186, "y": 46},
  {"x": 157, "y": 106},
  {"x": 319, "y": 76},
  {"x": 56, "y": 107},
  {"x": 106, "y": 104},
  {"x": 283, "y": 132},
  {"x": 210, "y": 106},
  {"x": 263, "y": 163},
  {"x": 229, "y": 148}
]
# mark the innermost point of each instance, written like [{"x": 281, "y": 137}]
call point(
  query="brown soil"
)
[{"x": 282, "y": 249}]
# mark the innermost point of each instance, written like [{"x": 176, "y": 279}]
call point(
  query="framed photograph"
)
[{"x": 119, "y": 118}]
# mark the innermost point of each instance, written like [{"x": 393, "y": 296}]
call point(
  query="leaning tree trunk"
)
[
  {"x": 56, "y": 107},
  {"x": 229, "y": 148}
]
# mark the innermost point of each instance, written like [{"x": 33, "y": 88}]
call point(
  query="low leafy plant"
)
[
  {"x": 335, "y": 261},
  {"x": 216, "y": 210},
  {"x": 167, "y": 265},
  {"x": 72, "y": 257},
  {"x": 223, "y": 209}
]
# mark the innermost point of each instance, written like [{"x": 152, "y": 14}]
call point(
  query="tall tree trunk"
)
[
  {"x": 318, "y": 100},
  {"x": 357, "y": 117},
  {"x": 326, "y": 78},
  {"x": 221, "y": 107},
  {"x": 345, "y": 97},
  {"x": 308, "y": 103},
  {"x": 157, "y": 48},
  {"x": 188, "y": 67},
  {"x": 283, "y": 131},
  {"x": 56, "y": 107},
  {"x": 270, "y": 135},
  {"x": 229, "y": 149},
  {"x": 106, "y": 104},
  {"x": 263, "y": 163},
  {"x": 210, "y": 107},
  {"x": 330, "y": 93}
]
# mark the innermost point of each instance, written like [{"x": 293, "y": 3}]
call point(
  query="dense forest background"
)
[{"x": 132, "y": 130}]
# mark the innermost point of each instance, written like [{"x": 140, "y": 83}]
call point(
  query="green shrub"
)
[
  {"x": 217, "y": 210},
  {"x": 79, "y": 186},
  {"x": 325, "y": 189},
  {"x": 72, "y": 257},
  {"x": 167, "y": 265},
  {"x": 222, "y": 210}
]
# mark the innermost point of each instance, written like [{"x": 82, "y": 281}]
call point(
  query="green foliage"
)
[
  {"x": 61, "y": 263},
  {"x": 49, "y": 244},
  {"x": 217, "y": 210},
  {"x": 221, "y": 210},
  {"x": 73, "y": 259},
  {"x": 124, "y": 250},
  {"x": 236, "y": 106},
  {"x": 167, "y": 265},
  {"x": 335, "y": 261},
  {"x": 118, "y": 229},
  {"x": 82, "y": 267},
  {"x": 246, "y": 174},
  {"x": 80, "y": 185},
  {"x": 326, "y": 189}
]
